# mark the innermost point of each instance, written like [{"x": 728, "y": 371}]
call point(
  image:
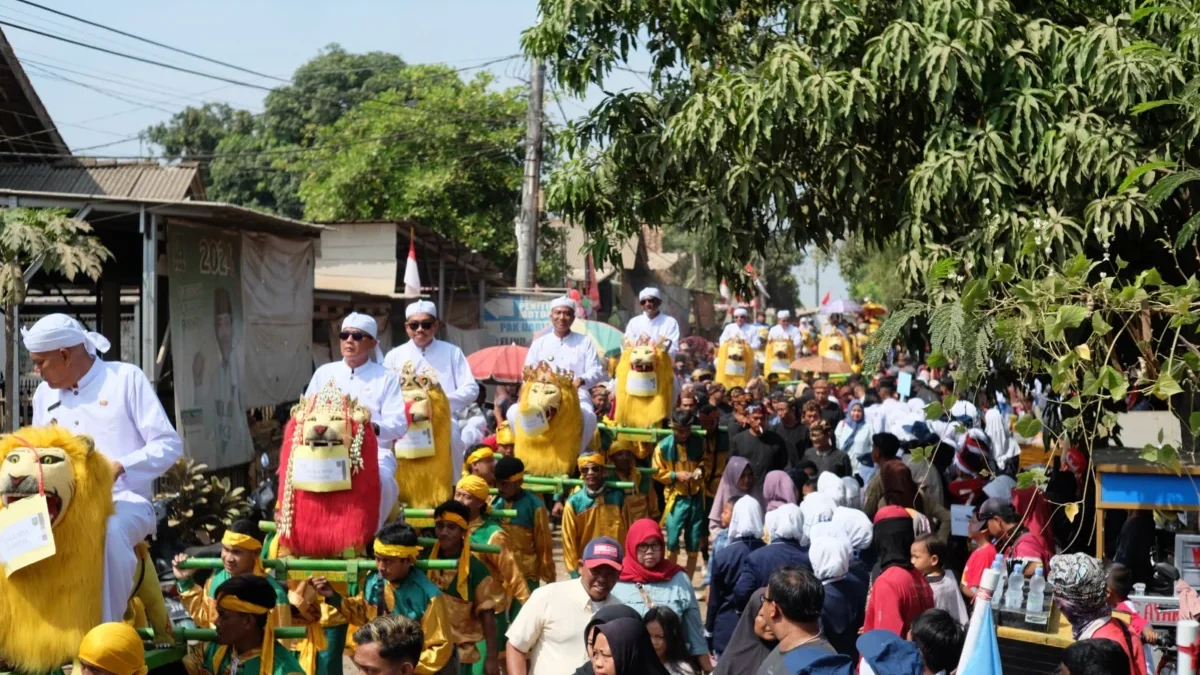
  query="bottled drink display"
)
[
  {"x": 1014, "y": 594},
  {"x": 998, "y": 565},
  {"x": 1035, "y": 605}
]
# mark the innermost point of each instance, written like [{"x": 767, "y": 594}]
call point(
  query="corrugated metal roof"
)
[{"x": 134, "y": 181}]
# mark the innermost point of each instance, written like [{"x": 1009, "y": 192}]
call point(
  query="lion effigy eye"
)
[
  {"x": 51, "y": 459},
  {"x": 13, "y": 458}
]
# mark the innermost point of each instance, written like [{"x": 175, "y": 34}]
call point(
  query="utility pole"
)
[{"x": 527, "y": 223}]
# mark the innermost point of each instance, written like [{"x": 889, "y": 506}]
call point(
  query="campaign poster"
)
[
  {"x": 513, "y": 319},
  {"x": 204, "y": 274}
]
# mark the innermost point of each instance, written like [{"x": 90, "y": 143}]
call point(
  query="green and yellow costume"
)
[
  {"x": 587, "y": 516},
  {"x": 684, "y": 511}
]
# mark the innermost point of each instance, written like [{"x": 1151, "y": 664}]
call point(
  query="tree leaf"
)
[
  {"x": 934, "y": 411},
  {"x": 1165, "y": 386},
  {"x": 1194, "y": 423},
  {"x": 937, "y": 359},
  {"x": 1084, "y": 352},
  {"x": 1028, "y": 426},
  {"x": 1142, "y": 170},
  {"x": 1099, "y": 326},
  {"x": 1070, "y": 511}
]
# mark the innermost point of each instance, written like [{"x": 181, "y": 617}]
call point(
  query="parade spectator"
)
[
  {"x": 1095, "y": 657},
  {"x": 388, "y": 645},
  {"x": 928, "y": 554},
  {"x": 831, "y": 410},
  {"x": 751, "y": 642},
  {"x": 788, "y": 426},
  {"x": 603, "y": 616},
  {"x": 112, "y": 649},
  {"x": 784, "y": 526},
  {"x": 666, "y": 636},
  {"x": 793, "y": 604},
  {"x": 845, "y": 596},
  {"x": 622, "y": 647},
  {"x": 861, "y": 533},
  {"x": 745, "y": 537},
  {"x": 763, "y": 447},
  {"x": 778, "y": 490},
  {"x": 677, "y": 463},
  {"x": 1014, "y": 540},
  {"x": 899, "y": 592},
  {"x": 899, "y": 489},
  {"x": 1120, "y": 586},
  {"x": 854, "y": 438},
  {"x": 885, "y": 448},
  {"x": 550, "y": 631},
  {"x": 1080, "y": 591},
  {"x": 823, "y": 453},
  {"x": 736, "y": 481},
  {"x": 831, "y": 486},
  {"x": 649, "y": 579},
  {"x": 939, "y": 638}
]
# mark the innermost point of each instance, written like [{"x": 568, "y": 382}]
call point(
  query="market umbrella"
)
[
  {"x": 820, "y": 365},
  {"x": 502, "y": 364},
  {"x": 606, "y": 337},
  {"x": 840, "y": 306},
  {"x": 872, "y": 309}
]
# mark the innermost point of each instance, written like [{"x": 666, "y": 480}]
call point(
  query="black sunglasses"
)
[
  {"x": 650, "y": 301},
  {"x": 414, "y": 325},
  {"x": 351, "y": 335},
  {"x": 591, "y": 469}
]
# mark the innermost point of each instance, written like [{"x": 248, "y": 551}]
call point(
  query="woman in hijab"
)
[
  {"x": 735, "y": 482},
  {"x": 603, "y": 616},
  {"x": 785, "y": 529},
  {"x": 854, "y": 438},
  {"x": 622, "y": 647},
  {"x": 899, "y": 593},
  {"x": 831, "y": 486},
  {"x": 751, "y": 642},
  {"x": 816, "y": 508},
  {"x": 861, "y": 532},
  {"x": 778, "y": 489},
  {"x": 648, "y": 579},
  {"x": 745, "y": 537},
  {"x": 1081, "y": 592},
  {"x": 899, "y": 489},
  {"x": 845, "y": 597}
]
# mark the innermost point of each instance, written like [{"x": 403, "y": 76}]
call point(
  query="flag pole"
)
[{"x": 983, "y": 603}]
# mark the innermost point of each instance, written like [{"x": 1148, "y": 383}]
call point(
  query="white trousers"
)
[
  {"x": 130, "y": 524},
  {"x": 389, "y": 491}
]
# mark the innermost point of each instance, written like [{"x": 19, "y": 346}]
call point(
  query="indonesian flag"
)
[
  {"x": 412, "y": 278},
  {"x": 724, "y": 291},
  {"x": 825, "y": 300},
  {"x": 593, "y": 288},
  {"x": 758, "y": 285}
]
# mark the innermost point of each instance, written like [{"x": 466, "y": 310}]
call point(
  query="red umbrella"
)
[{"x": 498, "y": 364}]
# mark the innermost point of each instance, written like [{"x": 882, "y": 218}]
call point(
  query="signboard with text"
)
[{"x": 513, "y": 318}]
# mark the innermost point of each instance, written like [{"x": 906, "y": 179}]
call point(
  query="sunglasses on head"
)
[
  {"x": 353, "y": 335},
  {"x": 424, "y": 325}
]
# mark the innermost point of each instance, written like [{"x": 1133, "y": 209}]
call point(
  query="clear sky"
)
[{"x": 269, "y": 36}]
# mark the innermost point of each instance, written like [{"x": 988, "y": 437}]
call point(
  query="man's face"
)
[
  {"x": 757, "y": 418},
  {"x": 449, "y": 535},
  {"x": 820, "y": 390},
  {"x": 53, "y": 367},
  {"x": 421, "y": 328},
  {"x": 224, "y": 328},
  {"x": 485, "y": 469},
  {"x": 368, "y": 661},
  {"x": 237, "y": 560},
  {"x": 716, "y": 394},
  {"x": 562, "y": 318},
  {"x": 593, "y": 476},
  {"x": 687, "y": 403},
  {"x": 600, "y": 399},
  {"x": 356, "y": 344},
  {"x": 393, "y": 569},
  {"x": 624, "y": 460},
  {"x": 819, "y": 437},
  {"x": 785, "y": 322},
  {"x": 811, "y": 416},
  {"x": 740, "y": 320},
  {"x": 995, "y": 527},
  {"x": 232, "y": 626},
  {"x": 782, "y": 409},
  {"x": 598, "y": 581},
  {"x": 651, "y": 305},
  {"x": 682, "y": 434},
  {"x": 508, "y": 489},
  {"x": 468, "y": 500},
  {"x": 760, "y": 317}
]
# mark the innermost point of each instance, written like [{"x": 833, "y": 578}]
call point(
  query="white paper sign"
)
[
  {"x": 960, "y": 519},
  {"x": 25, "y": 534},
  {"x": 641, "y": 384},
  {"x": 534, "y": 423},
  {"x": 320, "y": 471},
  {"x": 736, "y": 368},
  {"x": 904, "y": 384},
  {"x": 780, "y": 366},
  {"x": 416, "y": 439}
]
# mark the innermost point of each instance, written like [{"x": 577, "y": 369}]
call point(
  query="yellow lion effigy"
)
[
  {"x": 645, "y": 389},
  {"x": 780, "y": 353},
  {"x": 424, "y": 468},
  {"x": 836, "y": 347},
  {"x": 550, "y": 421},
  {"x": 735, "y": 363},
  {"x": 47, "y": 607}
]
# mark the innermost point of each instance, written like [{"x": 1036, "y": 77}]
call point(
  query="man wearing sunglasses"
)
[
  {"x": 784, "y": 330},
  {"x": 453, "y": 372},
  {"x": 377, "y": 389},
  {"x": 565, "y": 349},
  {"x": 742, "y": 327},
  {"x": 652, "y": 322}
]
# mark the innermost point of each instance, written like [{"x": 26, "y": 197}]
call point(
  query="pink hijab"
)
[{"x": 727, "y": 489}]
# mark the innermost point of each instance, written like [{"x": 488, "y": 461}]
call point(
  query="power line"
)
[
  {"x": 152, "y": 42},
  {"x": 131, "y": 57}
]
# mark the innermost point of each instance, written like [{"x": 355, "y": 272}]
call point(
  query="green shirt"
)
[
  {"x": 221, "y": 576},
  {"x": 285, "y": 662}
]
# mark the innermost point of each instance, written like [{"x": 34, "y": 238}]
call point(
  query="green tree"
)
[
  {"x": 983, "y": 128},
  {"x": 872, "y": 270},
  {"x": 776, "y": 275},
  {"x": 33, "y": 239},
  {"x": 198, "y": 130}
]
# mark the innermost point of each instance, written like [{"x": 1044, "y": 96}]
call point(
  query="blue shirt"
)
[
  {"x": 677, "y": 594},
  {"x": 723, "y": 612},
  {"x": 757, "y": 568}
]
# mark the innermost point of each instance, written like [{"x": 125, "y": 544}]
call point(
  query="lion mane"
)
[
  {"x": 731, "y": 381},
  {"x": 48, "y": 607},
  {"x": 426, "y": 482},
  {"x": 325, "y": 524},
  {"x": 645, "y": 411},
  {"x": 553, "y": 452},
  {"x": 775, "y": 346}
]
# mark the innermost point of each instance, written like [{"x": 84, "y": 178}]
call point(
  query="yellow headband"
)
[
  {"x": 114, "y": 647},
  {"x": 463, "y": 582},
  {"x": 504, "y": 435},
  {"x": 515, "y": 478},
  {"x": 590, "y": 458},
  {"x": 475, "y": 486},
  {"x": 395, "y": 550},
  {"x": 477, "y": 456},
  {"x": 245, "y": 541},
  {"x": 235, "y": 604}
]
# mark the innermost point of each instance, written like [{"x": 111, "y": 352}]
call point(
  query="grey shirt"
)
[{"x": 773, "y": 664}]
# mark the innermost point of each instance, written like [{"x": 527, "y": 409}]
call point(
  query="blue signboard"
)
[{"x": 512, "y": 319}]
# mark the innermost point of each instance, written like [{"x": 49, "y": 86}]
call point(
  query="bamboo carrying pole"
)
[
  {"x": 209, "y": 634},
  {"x": 983, "y": 603},
  {"x": 269, "y": 526},
  {"x": 314, "y": 565}
]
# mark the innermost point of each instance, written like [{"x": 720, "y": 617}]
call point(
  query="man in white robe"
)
[
  {"x": 454, "y": 374},
  {"x": 652, "y": 322},
  {"x": 116, "y": 405},
  {"x": 741, "y": 326},
  {"x": 376, "y": 388},
  {"x": 567, "y": 350},
  {"x": 784, "y": 330}
]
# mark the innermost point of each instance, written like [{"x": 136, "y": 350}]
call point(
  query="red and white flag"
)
[
  {"x": 592, "y": 289},
  {"x": 825, "y": 300},
  {"x": 724, "y": 291},
  {"x": 412, "y": 278}
]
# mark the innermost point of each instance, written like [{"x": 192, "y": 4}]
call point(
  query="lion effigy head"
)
[
  {"x": 645, "y": 383},
  {"x": 735, "y": 363},
  {"x": 329, "y": 474},
  {"x": 425, "y": 469},
  {"x": 550, "y": 421},
  {"x": 47, "y": 607},
  {"x": 780, "y": 353}
]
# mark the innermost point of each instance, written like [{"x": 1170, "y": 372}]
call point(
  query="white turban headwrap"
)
[
  {"x": 421, "y": 307},
  {"x": 562, "y": 301},
  {"x": 649, "y": 292},
  {"x": 59, "y": 331},
  {"x": 366, "y": 324},
  {"x": 741, "y": 311},
  {"x": 783, "y": 314}
]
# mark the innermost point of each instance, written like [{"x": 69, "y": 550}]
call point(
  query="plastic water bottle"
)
[
  {"x": 998, "y": 565},
  {"x": 1014, "y": 593},
  {"x": 1035, "y": 605}
]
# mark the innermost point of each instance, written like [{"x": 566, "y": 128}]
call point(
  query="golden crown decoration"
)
[
  {"x": 547, "y": 374},
  {"x": 426, "y": 378}
]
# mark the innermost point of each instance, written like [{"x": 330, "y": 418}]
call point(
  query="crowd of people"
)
[{"x": 812, "y": 519}]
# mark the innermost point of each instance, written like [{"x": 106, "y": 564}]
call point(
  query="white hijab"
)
[
  {"x": 816, "y": 508},
  {"x": 747, "y": 519},
  {"x": 856, "y": 525},
  {"x": 829, "y": 558},
  {"x": 785, "y": 522},
  {"x": 831, "y": 486}
]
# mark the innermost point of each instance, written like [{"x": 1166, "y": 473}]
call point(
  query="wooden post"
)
[{"x": 149, "y": 296}]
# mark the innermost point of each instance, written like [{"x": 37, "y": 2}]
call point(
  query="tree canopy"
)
[{"x": 982, "y": 127}]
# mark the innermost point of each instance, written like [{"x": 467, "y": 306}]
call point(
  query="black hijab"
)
[
  {"x": 632, "y": 652},
  {"x": 893, "y": 539},
  {"x": 745, "y": 651},
  {"x": 601, "y": 617}
]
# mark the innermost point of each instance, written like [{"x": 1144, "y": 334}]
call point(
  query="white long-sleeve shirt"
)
[
  {"x": 376, "y": 388},
  {"x": 748, "y": 332},
  {"x": 575, "y": 352},
  {"x": 778, "y": 332},
  {"x": 116, "y": 405},
  {"x": 454, "y": 374},
  {"x": 661, "y": 326}
]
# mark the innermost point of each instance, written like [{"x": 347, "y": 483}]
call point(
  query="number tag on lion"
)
[
  {"x": 736, "y": 368},
  {"x": 25, "y": 534},
  {"x": 534, "y": 423},
  {"x": 779, "y": 366},
  {"x": 321, "y": 469},
  {"x": 641, "y": 384},
  {"x": 417, "y": 442}
]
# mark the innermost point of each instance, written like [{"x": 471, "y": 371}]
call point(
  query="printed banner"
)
[
  {"x": 512, "y": 319},
  {"x": 207, "y": 341}
]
